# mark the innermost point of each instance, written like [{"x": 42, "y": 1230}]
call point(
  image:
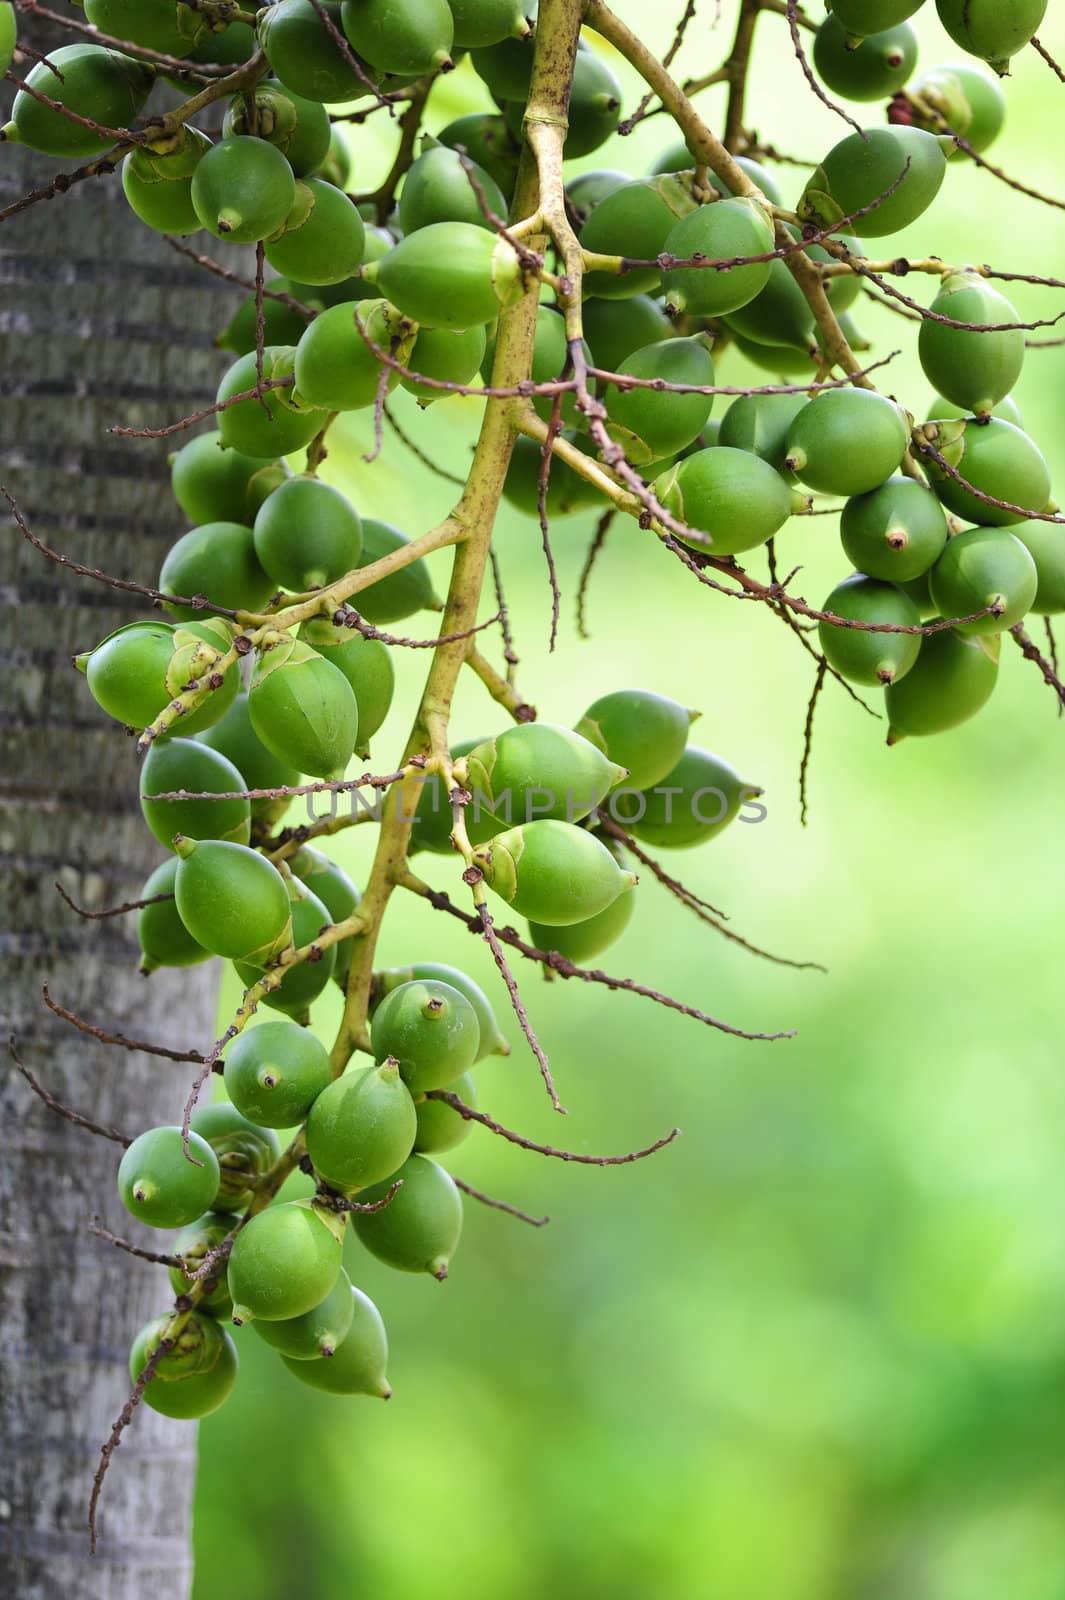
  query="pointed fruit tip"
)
[{"x": 438, "y": 1268}]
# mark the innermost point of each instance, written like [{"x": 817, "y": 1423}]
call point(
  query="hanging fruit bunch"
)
[{"x": 599, "y": 316}]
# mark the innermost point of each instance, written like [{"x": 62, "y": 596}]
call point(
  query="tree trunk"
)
[{"x": 99, "y": 323}]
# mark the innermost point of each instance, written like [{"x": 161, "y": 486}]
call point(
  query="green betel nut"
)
[
  {"x": 895, "y": 532},
  {"x": 176, "y": 764},
  {"x": 643, "y": 732},
  {"x": 303, "y": 708},
  {"x": 430, "y": 1030},
  {"x": 160, "y": 1185},
  {"x": 359, "y": 1362},
  {"x": 285, "y": 1261},
  {"x": 137, "y": 671},
  {"x": 438, "y": 188},
  {"x": 731, "y": 495},
  {"x": 211, "y": 483},
  {"x": 275, "y": 1072},
  {"x": 195, "y": 1376},
  {"x": 244, "y": 1151},
  {"x": 273, "y": 424},
  {"x": 985, "y": 567},
  {"x": 418, "y": 1231},
  {"x": 952, "y": 679},
  {"x": 992, "y": 29},
  {"x": 874, "y": 70},
  {"x": 192, "y": 1245},
  {"x": 876, "y": 182},
  {"x": 973, "y": 367},
  {"x": 846, "y": 441},
  {"x": 361, "y": 1127},
  {"x": 539, "y": 769},
  {"x": 367, "y": 665},
  {"x": 235, "y": 739},
  {"x": 336, "y": 368},
  {"x": 689, "y": 806},
  {"x": 217, "y": 561},
  {"x": 996, "y": 461},
  {"x": 232, "y": 900},
  {"x": 243, "y": 189},
  {"x": 307, "y": 534},
  {"x": 867, "y": 657},
  {"x": 316, "y": 1334},
  {"x": 440, "y": 1126},
  {"x": 492, "y": 1041},
  {"x": 450, "y": 275},
  {"x": 336, "y": 892},
  {"x": 163, "y": 937},
  {"x": 302, "y": 981},
  {"x": 102, "y": 85},
  {"x": 648, "y": 428},
  {"x": 552, "y": 872},
  {"x": 722, "y": 231}
]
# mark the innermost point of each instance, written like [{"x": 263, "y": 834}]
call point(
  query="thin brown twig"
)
[
  {"x": 101, "y": 1128},
  {"x": 499, "y": 1205},
  {"x": 154, "y": 1256},
  {"x": 595, "y": 548},
  {"x": 468, "y": 1114},
  {"x": 488, "y": 929},
  {"x": 118, "y": 1428},
  {"x": 118, "y": 1039},
  {"x": 808, "y": 739},
  {"x": 112, "y": 911}
]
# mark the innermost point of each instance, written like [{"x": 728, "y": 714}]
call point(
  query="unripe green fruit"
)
[
  {"x": 192, "y": 1245},
  {"x": 304, "y": 55},
  {"x": 438, "y": 189},
  {"x": 318, "y": 1333},
  {"x": 243, "y": 189},
  {"x": 975, "y": 370},
  {"x": 567, "y": 491},
  {"x": 337, "y": 893},
  {"x": 216, "y": 560},
  {"x": 232, "y": 900},
  {"x": 377, "y": 242},
  {"x": 298, "y": 127},
  {"x": 594, "y": 106},
  {"x": 861, "y": 17},
  {"x": 286, "y": 424},
  {"x": 304, "y": 981},
  {"x": 996, "y": 459},
  {"x": 689, "y": 806},
  {"x": 236, "y": 739},
  {"x": 335, "y": 366},
  {"x": 418, "y": 1231},
  {"x": 643, "y": 732},
  {"x": 158, "y": 183},
  {"x": 367, "y": 665},
  {"x": 952, "y": 679},
  {"x": 8, "y": 34},
  {"x": 492, "y": 1041},
  {"x": 875, "y": 70},
  {"x": 647, "y": 426},
  {"x": 941, "y": 409},
  {"x": 779, "y": 314},
  {"x": 401, "y": 593},
  {"x": 234, "y": 45},
  {"x": 733, "y": 496},
  {"x": 358, "y": 1364},
  {"x": 969, "y": 99},
  {"x": 677, "y": 157},
  {"x": 895, "y": 532},
  {"x": 173, "y": 764},
  {"x": 275, "y": 1072},
  {"x": 452, "y": 355},
  {"x": 582, "y": 941},
  {"x": 720, "y": 231},
  {"x": 860, "y": 171},
  {"x": 440, "y": 1126},
  {"x": 285, "y": 1261},
  {"x": 212, "y": 484},
  {"x": 245, "y": 1152},
  {"x": 164, "y": 939},
  {"x": 552, "y": 872},
  {"x": 479, "y": 23},
  {"x": 539, "y": 769},
  {"x": 992, "y": 29},
  {"x": 760, "y": 424},
  {"x": 450, "y": 275},
  {"x": 304, "y": 709},
  {"x": 549, "y": 356},
  {"x": 615, "y": 331},
  {"x": 307, "y": 534},
  {"x": 415, "y": 38},
  {"x": 164, "y": 25},
  {"x": 919, "y": 592},
  {"x": 507, "y": 67},
  {"x": 846, "y": 441},
  {"x": 195, "y": 1377},
  {"x": 785, "y": 362},
  {"x": 874, "y": 658},
  {"x": 161, "y": 1186},
  {"x": 487, "y": 140},
  {"x": 136, "y": 671},
  {"x": 985, "y": 567},
  {"x": 1044, "y": 543},
  {"x": 361, "y": 1127},
  {"x": 322, "y": 239},
  {"x": 103, "y": 85},
  {"x": 429, "y": 1030}
]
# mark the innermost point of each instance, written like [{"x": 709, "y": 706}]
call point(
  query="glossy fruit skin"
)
[
  {"x": 335, "y": 367},
  {"x": 492, "y": 1041},
  {"x": 414, "y": 39},
  {"x": 594, "y": 106},
  {"x": 711, "y": 794},
  {"x": 876, "y": 70},
  {"x": 941, "y": 409},
  {"x": 588, "y": 189},
  {"x": 299, "y": 127},
  {"x": 647, "y": 428},
  {"x": 136, "y": 671},
  {"x": 418, "y": 1231},
  {"x": 992, "y": 29},
  {"x": 279, "y": 430},
  {"x": 858, "y": 15},
  {"x": 304, "y": 709},
  {"x": 582, "y": 941},
  {"x": 952, "y": 679},
  {"x": 759, "y": 423},
  {"x": 723, "y": 230},
  {"x": 104, "y": 85},
  {"x": 548, "y": 360},
  {"x": 614, "y": 331},
  {"x": 285, "y": 1261},
  {"x": 323, "y": 238},
  {"x": 871, "y": 658},
  {"x": 401, "y": 593},
  {"x": 173, "y": 764},
  {"x": 733, "y": 496},
  {"x": 858, "y": 170},
  {"x": 244, "y": 1152},
  {"x": 438, "y": 189},
  {"x": 361, "y": 1127},
  {"x": 158, "y": 183},
  {"x": 975, "y": 370},
  {"x": 303, "y": 54},
  {"x": 194, "y": 1378},
  {"x": 678, "y": 158},
  {"x": 163, "y": 937},
  {"x": 488, "y": 141},
  {"x": 894, "y": 533},
  {"x": 985, "y": 567},
  {"x": 449, "y": 275},
  {"x": 318, "y": 1333},
  {"x": 243, "y": 189},
  {"x": 779, "y": 314},
  {"x": 1045, "y": 545},
  {"x": 275, "y": 1072},
  {"x": 540, "y": 769},
  {"x": 307, "y": 534},
  {"x": 567, "y": 491},
  {"x": 216, "y": 560},
  {"x": 8, "y": 34},
  {"x": 479, "y": 23},
  {"x": 358, "y": 1365},
  {"x": 451, "y": 355},
  {"x": 552, "y": 872},
  {"x": 846, "y": 441},
  {"x": 367, "y": 665},
  {"x": 171, "y": 28},
  {"x": 995, "y": 458},
  {"x": 233, "y": 45},
  {"x": 304, "y": 982},
  {"x": 236, "y": 739},
  {"x": 970, "y": 99},
  {"x": 337, "y": 893},
  {"x": 232, "y": 900},
  {"x": 430, "y": 1030},
  {"x": 645, "y": 733},
  {"x": 161, "y": 1186},
  {"x": 210, "y": 483},
  {"x": 192, "y": 1244},
  {"x": 440, "y": 1126}
]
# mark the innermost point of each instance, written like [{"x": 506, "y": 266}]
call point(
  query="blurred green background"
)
[{"x": 816, "y": 1349}]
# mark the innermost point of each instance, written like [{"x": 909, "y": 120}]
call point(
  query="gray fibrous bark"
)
[{"x": 99, "y": 323}]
